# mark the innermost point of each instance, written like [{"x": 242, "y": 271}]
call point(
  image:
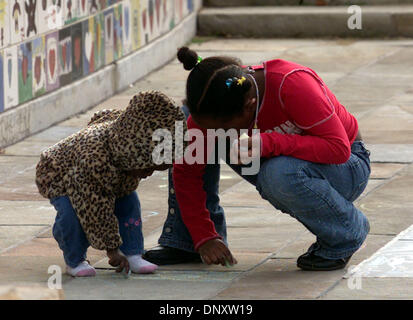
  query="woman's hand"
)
[
  {"x": 216, "y": 252},
  {"x": 118, "y": 260}
]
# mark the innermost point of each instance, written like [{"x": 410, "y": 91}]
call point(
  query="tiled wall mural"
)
[{"x": 47, "y": 44}]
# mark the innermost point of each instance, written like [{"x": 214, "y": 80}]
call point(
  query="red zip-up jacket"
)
[{"x": 299, "y": 117}]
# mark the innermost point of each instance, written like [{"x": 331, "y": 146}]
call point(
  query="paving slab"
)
[
  {"x": 244, "y": 194},
  {"x": 30, "y": 293},
  {"x": 263, "y": 239},
  {"x": 389, "y": 124},
  {"x": 241, "y": 217},
  {"x": 29, "y": 262},
  {"x": 11, "y": 166},
  {"x": 246, "y": 261},
  {"x": 13, "y": 235},
  {"x": 28, "y": 147},
  {"x": 372, "y": 289},
  {"x": 371, "y": 185},
  {"x": 26, "y": 213},
  {"x": 385, "y": 170},
  {"x": 280, "y": 279},
  {"x": 392, "y": 152},
  {"x": 228, "y": 46},
  {"x": 389, "y": 207},
  {"x": 53, "y": 134},
  {"x": 21, "y": 188},
  {"x": 394, "y": 260},
  {"x": 164, "y": 285}
]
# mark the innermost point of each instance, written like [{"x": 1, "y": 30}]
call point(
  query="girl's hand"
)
[
  {"x": 118, "y": 260},
  {"x": 216, "y": 252},
  {"x": 243, "y": 152}
]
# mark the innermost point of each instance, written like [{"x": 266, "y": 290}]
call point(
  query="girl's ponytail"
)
[
  {"x": 207, "y": 91},
  {"x": 188, "y": 57}
]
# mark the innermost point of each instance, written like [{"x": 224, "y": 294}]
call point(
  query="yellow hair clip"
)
[{"x": 241, "y": 81}]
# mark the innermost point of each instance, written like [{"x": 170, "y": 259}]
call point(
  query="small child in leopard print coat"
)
[{"x": 91, "y": 176}]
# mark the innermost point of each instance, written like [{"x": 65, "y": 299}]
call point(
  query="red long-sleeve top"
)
[{"x": 299, "y": 117}]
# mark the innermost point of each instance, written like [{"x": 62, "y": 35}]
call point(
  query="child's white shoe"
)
[
  {"x": 84, "y": 269},
  {"x": 139, "y": 265}
]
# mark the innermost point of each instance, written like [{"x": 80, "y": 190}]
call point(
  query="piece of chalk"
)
[
  {"x": 126, "y": 274},
  {"x": 227, "y": 264},
  {"x": 242, "y": 148}
]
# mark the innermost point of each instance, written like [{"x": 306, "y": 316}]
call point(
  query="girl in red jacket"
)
[{"x": 313, "y": 162}]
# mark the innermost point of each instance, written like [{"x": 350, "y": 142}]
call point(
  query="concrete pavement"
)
[{"x": 373, "y": 79}]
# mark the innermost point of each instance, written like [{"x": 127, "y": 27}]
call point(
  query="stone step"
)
[
  {"x": 247, "y": 3},
  {"x": 306, "y": 22}
]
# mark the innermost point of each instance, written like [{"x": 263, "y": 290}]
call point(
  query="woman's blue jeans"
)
[
  {"x": 320, "y": 196},
  {"x": 72, "y": 239}
]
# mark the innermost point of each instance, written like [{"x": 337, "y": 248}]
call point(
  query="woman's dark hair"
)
[{"x": 212, "y": 88}]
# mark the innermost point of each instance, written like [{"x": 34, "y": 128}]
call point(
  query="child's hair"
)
[{"x": 216, "y": 86}]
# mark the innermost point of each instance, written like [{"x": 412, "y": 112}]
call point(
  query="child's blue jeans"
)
[
  {"x": 320, "y": 196},
  {"x": 72, "y": 239}
]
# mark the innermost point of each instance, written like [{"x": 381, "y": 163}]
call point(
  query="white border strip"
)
[{"x": 379, "y": 252}]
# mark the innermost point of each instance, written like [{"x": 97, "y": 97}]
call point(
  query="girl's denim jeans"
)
[
  {"x": 320, "y": 196},
  {"x": 72, "y": 239}
]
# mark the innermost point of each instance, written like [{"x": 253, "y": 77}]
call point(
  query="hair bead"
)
[{"x": 241, "y": 81}]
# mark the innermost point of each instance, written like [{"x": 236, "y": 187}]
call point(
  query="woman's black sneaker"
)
[
  {"x": 167, "y": 255},
  {"x": 310, "y": 262}
]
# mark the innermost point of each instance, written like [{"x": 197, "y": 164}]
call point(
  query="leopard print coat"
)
[{"x": 90, "y": 166}]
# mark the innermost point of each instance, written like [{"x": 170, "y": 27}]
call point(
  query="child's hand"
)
[
  {"x": 216, "y": 252},
  {"x": 118, "y": 260}
]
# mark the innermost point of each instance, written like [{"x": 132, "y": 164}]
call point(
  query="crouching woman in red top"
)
[{"x": 313, "y": 162}]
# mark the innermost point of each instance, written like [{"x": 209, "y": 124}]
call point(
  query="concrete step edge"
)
[
  {"x": 307, "y": 9},
  {"x": 306, "y": 22},
  {"x": 242, "y": 3}
]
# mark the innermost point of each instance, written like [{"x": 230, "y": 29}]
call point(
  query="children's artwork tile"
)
[
  {"x": 38, "y": 66},
  {"x": 88, "y": 56},
  {"x": 127, "y": 29},
  {"x": 179, "y": 10},
  {"x": 1, "y": 83},
  {"x": 135, "y": 22},
  {"x": 50, "y": 15},
  {"x": 109, "y": 35},
  {"x": 111, "y": 2},
  {"x": 10, "y": 77},
  {"x": 190, "y": 6},
  {"x": 99, "y": 40},
  {"x": 70, "y": 11},
  {"x": 77, "y": 49},
  {"x": 83, "y": 8},
  {"x": 32, "y": 21},
  {"x": 145, "y": 30},
  {"x": 118, "y": 32},
  {"x": 17, "y": 20},
  {"x": 52, "y": 67},
  {"x": 94, "y": 6},
  {"x": 65, "y": 56},
  {"x": 182, "y": 9},
  {"x": 4, "y": 24},
  {"x": 154, "y": 13},
  {"x": 167, "y": 20},
  {"x": 25, "y": 72}
]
